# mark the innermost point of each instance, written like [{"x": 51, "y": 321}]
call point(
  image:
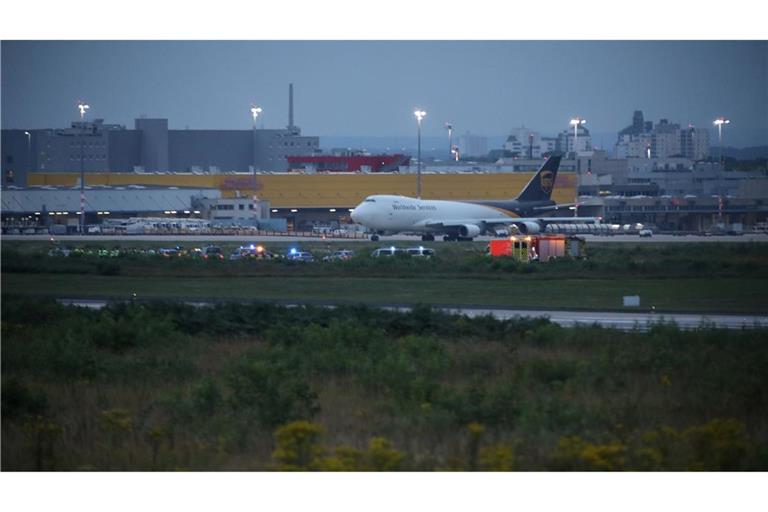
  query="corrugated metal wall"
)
[{"x": 326, "y": 190}]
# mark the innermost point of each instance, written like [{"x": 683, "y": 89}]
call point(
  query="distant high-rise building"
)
[
  {"x": 694, "y": 143},
  {"x": 473, "y": 145},
  {"x": 664, "y": 140},
  {"x": 525, "y": 143},
  {"x": 568, "y": 142}
]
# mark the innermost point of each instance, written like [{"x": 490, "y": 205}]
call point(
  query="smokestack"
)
[{"x": 290, "y": 106}]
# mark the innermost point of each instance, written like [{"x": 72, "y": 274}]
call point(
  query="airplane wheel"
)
[
  {"x": 447, "y": 238},
  {"x": 374, "y": 238}
]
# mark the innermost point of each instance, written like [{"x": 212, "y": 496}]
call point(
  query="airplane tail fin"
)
[{"x": 541, "y": 185}]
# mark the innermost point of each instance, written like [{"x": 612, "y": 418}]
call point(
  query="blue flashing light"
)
[{"x": 293, "y": 250}]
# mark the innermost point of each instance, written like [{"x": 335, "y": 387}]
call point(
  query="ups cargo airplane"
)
[{"x": 463, "y": 220}]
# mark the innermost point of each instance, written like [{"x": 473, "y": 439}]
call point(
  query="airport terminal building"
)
[{"x": 240, "y": 176}]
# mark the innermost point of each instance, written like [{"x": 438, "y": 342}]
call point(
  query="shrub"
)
[
  {"x": 122, "y": 326},
  {"x": 381, "y": 456},
  {"x": 44, "y": 432},
  {"x": 298, "y": 446},
  {"x": 719, "y": 445},
  {"x": 270, "y": 392},
  {"x": 206, "y": 397},
  {"x": 497, "y": 457},
  {"x": 496, "y": 406},
  {"x": 344, "y": 458},
  {"x": 19, "y": 401},
  {"x": 550, "y": 372},
  {"x": 573, "y": 453},
  {"x": 408, "y": 370}
]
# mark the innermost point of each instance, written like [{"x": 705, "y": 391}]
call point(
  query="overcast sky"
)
[{"x": 349, "y": 88}]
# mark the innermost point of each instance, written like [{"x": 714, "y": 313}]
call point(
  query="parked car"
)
[
  {"x": 645, "y": 233},
  {"x": 59, "y": 251},
  {"x": 252, "y": 251},
  {"x": 342, "y": 255},
  {"x": 387, "y": 251},
  {"x": 212, "y": 252},
  {"x": 297, "y": 255},
  {"x": 169, "y": 253}
]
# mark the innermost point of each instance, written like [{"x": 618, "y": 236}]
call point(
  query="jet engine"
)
[
  {"x": 469, "y": 230},
  {"x": 528, "y": 228}
]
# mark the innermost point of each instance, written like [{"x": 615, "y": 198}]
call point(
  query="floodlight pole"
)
[
  {"x": 82, "y": 107},
  {"x": 255, "y": 111},
  {"x": 419, "y": 116},
  {"x": 719, "y": 122}
]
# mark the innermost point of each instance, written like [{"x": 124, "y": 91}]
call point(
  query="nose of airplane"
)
[{"x": 356, "y": 214}]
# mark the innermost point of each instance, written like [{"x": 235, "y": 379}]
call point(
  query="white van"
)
[
  {"x": 421, "y": 252},
  {"x": 387, "y": 251}
]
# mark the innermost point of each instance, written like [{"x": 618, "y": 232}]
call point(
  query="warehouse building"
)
[{"x": 95, "y": 146}]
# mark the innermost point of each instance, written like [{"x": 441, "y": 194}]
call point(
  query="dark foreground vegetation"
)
[{"x": 163, "y": 386}]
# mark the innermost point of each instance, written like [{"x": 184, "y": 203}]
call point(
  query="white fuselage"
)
[{"x": 400, "y": 214}]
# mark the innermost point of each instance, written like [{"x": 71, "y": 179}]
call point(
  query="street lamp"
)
[
  {"x": 83, "y": 108},
  {"x": 255, "y": 111},
  {"x": 576, "y": 122},
  {"x": 719, "y": 122},
  {"x": 449, "y": 127},
  {"x": 29, "y": 150},
  {"x": 419, "y": 116}
]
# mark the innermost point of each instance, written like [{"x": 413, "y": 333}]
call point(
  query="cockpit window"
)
[{"x": 369, "y": 200}]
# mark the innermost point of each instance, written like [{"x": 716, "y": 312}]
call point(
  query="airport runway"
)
[
  {"x": 626, "y": 321},
  {"x": 387, "y": 240}
]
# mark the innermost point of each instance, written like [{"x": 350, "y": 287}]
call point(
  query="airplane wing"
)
[
  {"x": 496, "y": 221},
  {"x": 453, "y": 223},
  {"x": 566, "y": 220},
  {"x": 559, "y": 206}
]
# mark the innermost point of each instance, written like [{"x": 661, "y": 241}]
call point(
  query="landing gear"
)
[
  {"x": 374, "y": 238},
  {"x": 448, "y": 238},
  {"x": 427, "y": 238}
]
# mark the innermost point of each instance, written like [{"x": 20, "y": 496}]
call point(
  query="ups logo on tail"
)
[{"x": 546, "y": 182}]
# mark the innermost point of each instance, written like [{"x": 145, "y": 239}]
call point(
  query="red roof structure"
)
[{"x": 349, "y": 163}]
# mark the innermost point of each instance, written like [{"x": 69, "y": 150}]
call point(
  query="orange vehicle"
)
[{"x": 535, "y": 247}]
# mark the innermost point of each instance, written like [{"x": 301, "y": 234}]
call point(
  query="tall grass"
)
[{"x": 165, "y": 386}]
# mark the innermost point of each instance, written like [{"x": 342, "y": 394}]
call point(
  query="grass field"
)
[
  {"x": 716, "y": 278},
  {"x": 725, "y": 295}
]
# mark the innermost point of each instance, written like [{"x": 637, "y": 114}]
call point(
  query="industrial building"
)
[
  {"x": 300, "y": 199},
  {"x": 95, "y": 146}
]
